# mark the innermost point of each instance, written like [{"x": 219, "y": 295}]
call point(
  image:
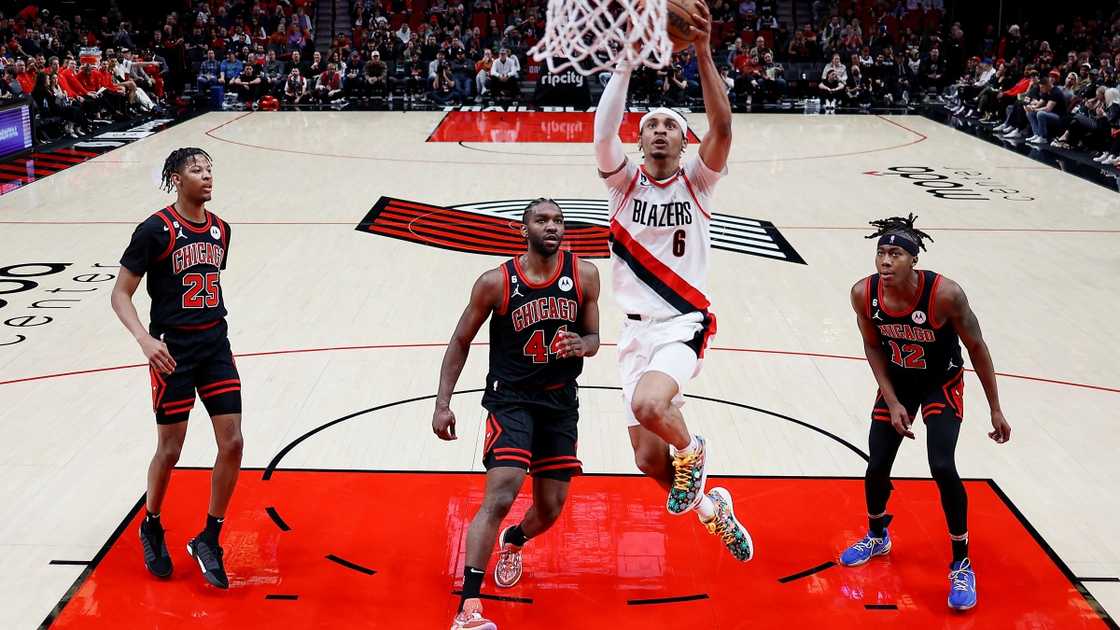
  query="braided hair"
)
[
  {"x": 528, "y": 212},
  {"x": 176, "y": 161},
  {"x": 902, "y": 227}
]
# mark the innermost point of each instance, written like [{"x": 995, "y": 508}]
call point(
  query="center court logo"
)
[
  {"x": 955, "y": 184},
  {"x": 494, "y": 228}
]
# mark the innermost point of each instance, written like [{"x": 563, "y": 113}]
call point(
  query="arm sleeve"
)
[
  {"x": 609, "y": 153},
  {"x": 144, "y": 247}
]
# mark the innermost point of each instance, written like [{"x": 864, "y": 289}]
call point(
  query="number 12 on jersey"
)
[{"x": 536, "y": 349}]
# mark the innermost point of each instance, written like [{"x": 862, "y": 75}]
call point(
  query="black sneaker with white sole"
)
[
  {"x": 156, "y": 557},
  {"x": 209, "y": 559}
]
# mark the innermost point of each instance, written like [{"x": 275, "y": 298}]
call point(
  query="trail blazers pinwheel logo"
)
[{"x": 494, "y": 228}]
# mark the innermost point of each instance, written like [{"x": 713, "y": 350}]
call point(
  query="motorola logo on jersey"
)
[
  {"x": 955, "y": 184},
  {"x": 565, "y": 284},
  {"x": 493, "y": 228},
  {"x": 919, "y": 317}
]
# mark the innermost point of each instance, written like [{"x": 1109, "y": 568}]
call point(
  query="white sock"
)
[
  {"x": 706, "y": 510},
  {"x": 692, "y": 446}
]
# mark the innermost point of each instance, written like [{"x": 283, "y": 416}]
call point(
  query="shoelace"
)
[
  {"x": 868, "y": 543},
  {"x": 682, "y": 476},
  {"x": 960, "y": 577},
  {"x": 722, "y": 527}
]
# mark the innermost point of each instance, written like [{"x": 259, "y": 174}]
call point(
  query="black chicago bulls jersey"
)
[
  {"x": 920, "y": 355},
  {"x": 182, "y": 261},
  {"x": 524, "y": 331}
]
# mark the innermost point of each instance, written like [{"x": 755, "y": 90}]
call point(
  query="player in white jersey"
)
[{"x": 660, "y": 214}]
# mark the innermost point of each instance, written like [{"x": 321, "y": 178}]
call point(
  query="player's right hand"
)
[
  {"x": 157, "y": 354},
  {"x": 901, "y": 420},
  {"x": 443, "y": 423}
]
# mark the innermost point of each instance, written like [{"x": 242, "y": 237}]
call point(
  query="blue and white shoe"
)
[
  {"x": 866, "y": 549},
  {"x": 962, "y": 593}
]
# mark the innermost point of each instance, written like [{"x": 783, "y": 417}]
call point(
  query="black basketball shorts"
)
[
  {"x": 945, "y": 400},
  {"x": 203, "y": 363},
  {"x": 540, "y": 438}
]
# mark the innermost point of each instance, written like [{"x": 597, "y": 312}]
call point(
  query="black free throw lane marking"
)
[
  {"x": 275, "y": 516},
  {"x": 666, "y": 600},
  {"x": 283, "y": 597},
  {"x": 807, "y": 572},
  {"x": 499, "y": 598},
  {"x": 70, "y": 563},
  {"x": 1080, "y": 579},
  {"x": 275, "y": 463},
  {"x": 350, "y": 565},
  {"x": 881, "y": 606}
]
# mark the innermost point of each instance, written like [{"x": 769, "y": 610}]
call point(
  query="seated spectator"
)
[
  {"x": 831, "y": 89},
  {"x": 1025, "y": 93},
  {"x": 773, "y": 79},
  {"x": 503, "y": 75},
  {"x": 1111, "y": 154},
  {"x": 674, "y": 88},
  {"x": 1090, "y": 124},
  {"x": 248, "y": 85},
  {"x": 376, "y": 76},
  {"x": 990, "y": 100},
  {"x": 856, "y": 92},
  {"x": 295, "y": 88},
  {"x": 932, "y": 71},
  {"x": 229, "y": 69},
  {"x": 442, "y": 85},
  {"x": 971, "y": 85},
  {"x": 1048, "y": 116},
  {"x": 482, "y": 72},
  {"x": 462, "y": 73},
  {"x": 273, "y": 73},
  {"x": 328, "y": 86},
  {"x": 836, "y": 67}
]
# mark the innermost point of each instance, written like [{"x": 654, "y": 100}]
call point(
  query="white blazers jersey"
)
[{"x": 660, "y": 239}]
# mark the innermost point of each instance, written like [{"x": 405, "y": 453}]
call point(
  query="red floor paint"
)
[
  {"x": 615, "y": 543},
  {"x": 530, "y": 127}
]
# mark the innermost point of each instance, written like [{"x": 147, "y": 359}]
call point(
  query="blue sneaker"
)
[
  {"x": 962, "y": 595},
  {"x": 866, "y": 549}
]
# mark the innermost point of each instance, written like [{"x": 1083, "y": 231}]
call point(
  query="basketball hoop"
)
[{"x": 591, "y": 36}]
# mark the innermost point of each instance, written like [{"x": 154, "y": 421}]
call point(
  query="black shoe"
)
[
  {"x": 209, "y": 558},
  {"x": 156, "y": 557}
]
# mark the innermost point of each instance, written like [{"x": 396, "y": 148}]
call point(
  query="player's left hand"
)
[
  {"x": 571, "y": 345},
  {"x": 702, "y": 22},
  {"x": 1002, "y": 431}
]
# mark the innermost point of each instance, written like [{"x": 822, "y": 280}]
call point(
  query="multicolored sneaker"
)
[
  {"x": 865, "y": 549},
  {"x": 962, "y": 593},
  {"x": 507, "y": 571},
  {"x": 690, "y": 473},
  {"x": 471, "y": 617},
  {"x": 734, "y": 536}
]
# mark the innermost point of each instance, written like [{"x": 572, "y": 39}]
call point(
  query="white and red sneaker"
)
[
  {"x": 507, "y": 571},
  {"x": 471, "y": 617}
]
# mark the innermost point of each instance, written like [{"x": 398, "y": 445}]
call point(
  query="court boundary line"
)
[
  {"x": 1092, "y": 601},
  {"x": 791, "y": 353}
]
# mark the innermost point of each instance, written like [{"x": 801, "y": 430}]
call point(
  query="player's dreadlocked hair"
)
[
  {"x": 901, "y": 226},
  {"x": 533, "y": 204},
  {"x": 176, "y": 161}
]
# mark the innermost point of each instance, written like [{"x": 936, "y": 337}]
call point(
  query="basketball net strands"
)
[{"x": 591, "y": 36}]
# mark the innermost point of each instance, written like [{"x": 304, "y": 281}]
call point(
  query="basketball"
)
[
  {"x": 679, "y": 22},
  {"x": 680, "y": 26}
]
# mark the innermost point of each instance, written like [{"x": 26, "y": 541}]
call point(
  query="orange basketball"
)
[{"x": 680, "y": 27}]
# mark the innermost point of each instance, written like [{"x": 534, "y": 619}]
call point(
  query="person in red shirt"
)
[{"x": 329, "y": 85}]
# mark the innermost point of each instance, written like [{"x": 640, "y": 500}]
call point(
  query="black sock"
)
[
  {"x": 877, "y": 525},
  {"x": 516, "y": 536},
  {"x": 213, "y": 529},
  {"x": 472, "y": 584},
  {"x": 960, "y": 549},
  {"x": 151, "y": 521}
]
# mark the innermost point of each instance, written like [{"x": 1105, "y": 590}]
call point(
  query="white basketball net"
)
[{"x": 590, "y": 36}]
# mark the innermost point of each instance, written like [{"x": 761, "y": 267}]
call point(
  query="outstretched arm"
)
[
  {"x": 717, "y": 142},
  {"x": 609, "y": 154},
  {"x": 951, "y": 302}
]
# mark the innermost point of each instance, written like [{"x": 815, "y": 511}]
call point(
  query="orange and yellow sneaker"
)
[{"x": 507, "y": 571}]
